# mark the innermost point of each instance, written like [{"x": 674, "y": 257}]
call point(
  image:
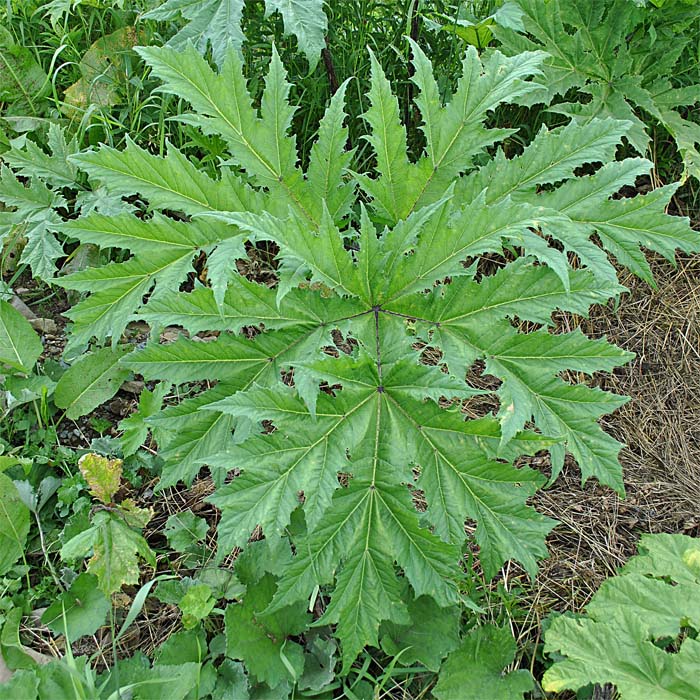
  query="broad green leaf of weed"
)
[
  {"x": 222, "y": 581},
  {"x": 58, "y": 680},
  {"x": 691, "y": 558},
  {"x": 260, "y": 639},
  {"x": 134, "y": 427},
  {"x": 666, "y": 555},
  {"x": 475, "y": 670},
  {"x": 172, "y": 591},
  {"x": 217, "y": 23},
  {"x": 163, "y": 254},
  {"x": 32, "y": 218},
  {"x": 23, "y": 684},
  {"x": 232, "y": 682},
  {"x": 432, "y": 634},
  {"x": 14, "y": 524},
  {"x": 90, "y": 381},
  {"x": 474, "y": 33},
  {"x": 319, "y": 664},
  {"x": 18, "y": 390},
  {"x": 54, "y": 167},
  {"x": 11, "y": 647},
  {"x": 603, "y": 50},
  {"x": 81, "y": 610},
  {"x": 269, "y": 556},
  {"x": 185, "y": 531},
  {"x": 133, "y": 515},
  {"x": 305, "y": 19},
  {"x": 142, "y": 681},
  {"x": 20, "y": 346},
  {"x": 168, "y": 182},
  {"x": 343, "y": 373},
  {"x": 183, "y": 647},
  {"x": 196, "y": 605}
]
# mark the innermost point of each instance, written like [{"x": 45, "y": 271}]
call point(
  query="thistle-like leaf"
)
[
  {"x": 171, "y": 182},
  {"x": 343, "y": 411}
]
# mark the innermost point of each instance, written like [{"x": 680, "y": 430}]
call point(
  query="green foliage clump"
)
[
  {"x": 640, "y": 630},
  {"x": 619, "y": 58},
  {"x": 50, "y": 189}
]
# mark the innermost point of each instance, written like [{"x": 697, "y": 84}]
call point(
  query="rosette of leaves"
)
[
  {"x": 618, "y": 57},
  {"x": 324, "y": 400}
]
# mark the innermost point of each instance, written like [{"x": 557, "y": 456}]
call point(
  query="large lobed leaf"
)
[
  {"x": 341, "y": 388},
  {"x": 631, "y": 622},
  {"x": 217, "y": 24}
]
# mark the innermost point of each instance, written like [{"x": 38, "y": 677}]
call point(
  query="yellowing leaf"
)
[
  {"x": 23, "y": 81},
  {"x": 117, "y": 549},
  {"x": 133, "y": 515},
  {"x": 103, "y": 475},
  {"x": 691, "y": 558},
  {"x": 102, "y": 70}
]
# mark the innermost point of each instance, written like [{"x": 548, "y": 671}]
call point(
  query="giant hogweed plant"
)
[
  {"x": 610, "y": 58},
  {"x": 338, "y": 432},
  {"x": 216, "y": 24}
]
